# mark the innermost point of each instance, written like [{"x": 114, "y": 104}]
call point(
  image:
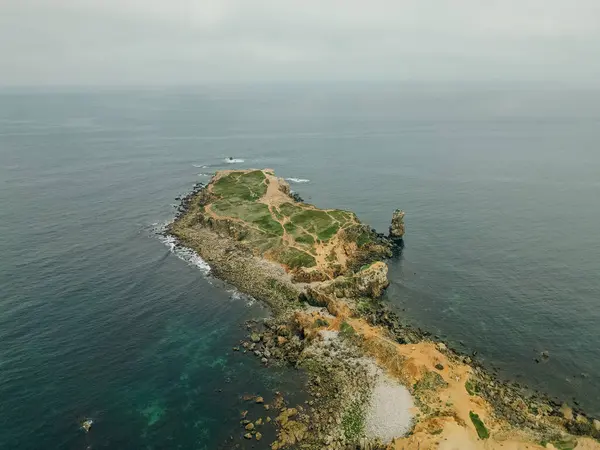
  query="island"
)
[{"x": 374, "y": 382}]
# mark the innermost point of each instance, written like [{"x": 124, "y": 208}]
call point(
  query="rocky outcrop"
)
[
  {"x": 369, "y": 282},
  {"x": 397, "y": 226}
]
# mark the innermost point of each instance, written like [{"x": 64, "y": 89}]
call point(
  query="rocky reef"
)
[{"x": 374, "y": 382}]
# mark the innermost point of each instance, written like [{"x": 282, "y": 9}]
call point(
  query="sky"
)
[{"x": 182, "y": 42}]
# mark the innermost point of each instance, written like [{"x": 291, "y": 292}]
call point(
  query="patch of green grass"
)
[
  {"x": 320, "y": 323},
  {"x": 482, "y": 431},
  {"x": 312, "y": 218},
  {"x": 269, "y": 225},
  {"x": 255, "y": 213},
  {"x": 561, "y": 444},
  {"x": 237, "y": 187},
  {"x": 353, "y": 421},
  {"x": 431, "y": 381},
  {"x": 305, "y": 239},
  {"x": 341, "y": 215},
  {"x": 317, "y": 222},
  {"x": 346, "y": 330},
  {"x": 290, "y": 228},
  {"x": 471, "y": 387},
  {"x": 299, "y": 236},
  {"x": 329, "y": 232},
  {"x": 363, "y": 239},
  {"x": 366, "y": 306},
  {"x": 288, "y": 209},
  {"x": 294, "y": 258}
]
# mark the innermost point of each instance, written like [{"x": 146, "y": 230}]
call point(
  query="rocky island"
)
[{"x": 373, "y": 382}]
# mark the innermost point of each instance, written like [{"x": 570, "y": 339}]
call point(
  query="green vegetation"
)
[
  {"x": 329, "y": 232},
  {"x": 561, "y": 444},
  {"x": 346, "y": 330},
  {"x": 321, "y": 323},
  {"x": 305, "y": 239},
  {"x": 367, "y": 306},
  {"x": 482, "y": 431},
  {"x": 353, "y": 421},
  {"x": 263, "y": 228},
  {"x": 342, "y": 216},
  {"x": 254, "y": 213},
  {"x": 239, "y": 186},
  {"x": 471, "y": 387},
  {"x": 295, "y": 258},
  {"x": 289, "y": 209},
  {"x": 323, "y": 224},
  {"x": 312, "y": 220},
  {"x": 431, "y": 381},
  {"x": 363, "y": 239}
]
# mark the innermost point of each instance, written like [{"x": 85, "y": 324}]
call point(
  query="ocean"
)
[{"x": 100, "y": 319}]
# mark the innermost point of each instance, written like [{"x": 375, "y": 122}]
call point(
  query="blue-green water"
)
[{"x": 99, "y": 319}]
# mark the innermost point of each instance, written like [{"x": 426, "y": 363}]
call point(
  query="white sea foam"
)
[
  {"x": 297, "y": 180},
  {"x": 233, "y": 160},
  {"x": 205, "y": 174},
  {"x": 200, "y": 166},
  {"x": 186, "y": 254},
  {"x": 234, "y": 294}
]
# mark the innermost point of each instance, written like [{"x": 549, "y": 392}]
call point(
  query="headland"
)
[{"x": 373, "y": 382}]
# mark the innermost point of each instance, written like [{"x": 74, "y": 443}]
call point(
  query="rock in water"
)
[{"x": 397, "y": 226}]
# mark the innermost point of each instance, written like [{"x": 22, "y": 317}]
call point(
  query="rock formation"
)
[{"x": 397, "y": 226}]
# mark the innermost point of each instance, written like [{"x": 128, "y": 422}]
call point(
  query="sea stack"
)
[{"x": 397, "y": 226}]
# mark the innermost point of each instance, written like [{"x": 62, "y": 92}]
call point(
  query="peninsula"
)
[{"x": 373, "y": 382}]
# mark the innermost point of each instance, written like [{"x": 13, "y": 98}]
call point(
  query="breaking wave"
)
[
  {"x": 233, "y": 160},
  {"x": 234, "y": 294},
  {"x": 297, "y": 180},
  {"x": 184, "y": 253}
]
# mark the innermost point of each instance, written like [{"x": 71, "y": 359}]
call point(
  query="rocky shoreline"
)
[{"x": 346, "y": 339}]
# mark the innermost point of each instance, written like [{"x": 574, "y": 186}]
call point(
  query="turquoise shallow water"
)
[{"x": 98, "y": 318}]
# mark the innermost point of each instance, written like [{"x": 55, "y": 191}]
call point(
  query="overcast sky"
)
[{"x": 148, "y": 42}]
